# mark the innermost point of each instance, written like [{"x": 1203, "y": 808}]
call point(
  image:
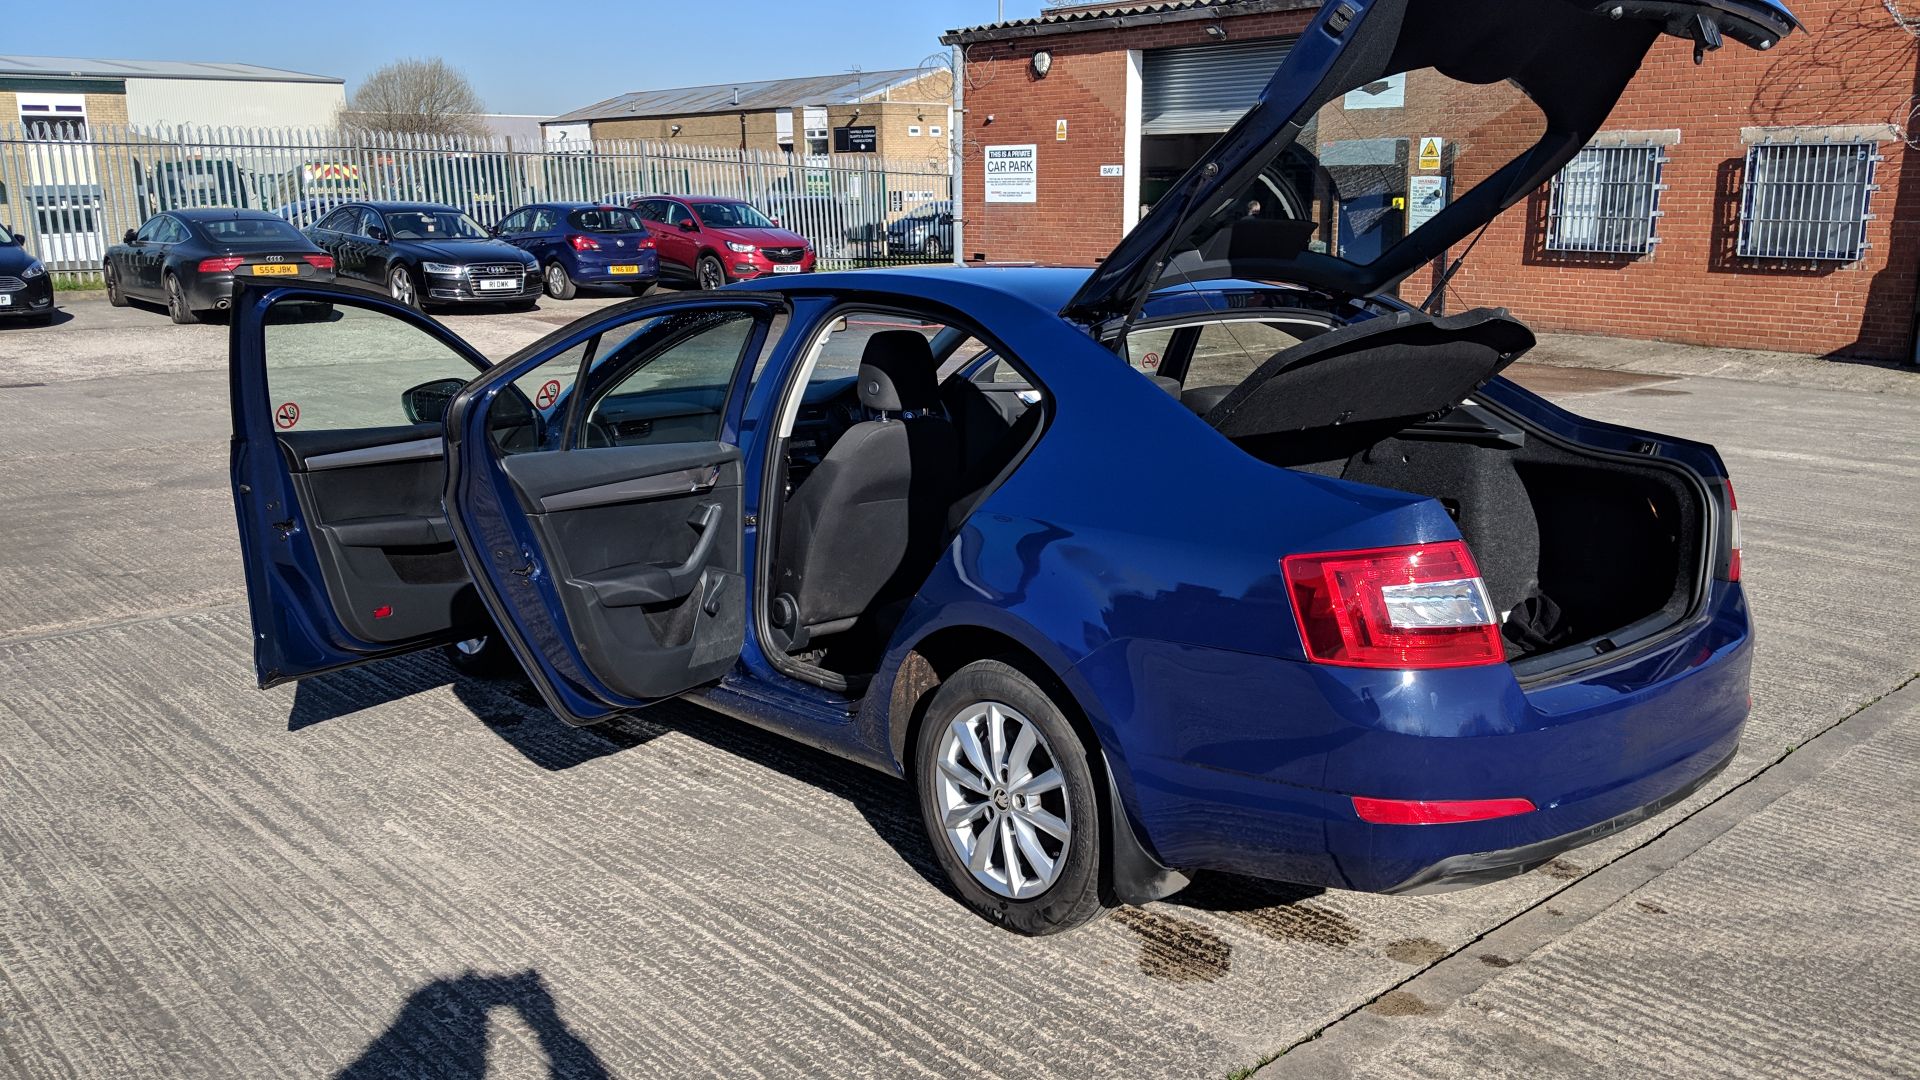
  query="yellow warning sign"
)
[{"x": 1430, "y": 152}]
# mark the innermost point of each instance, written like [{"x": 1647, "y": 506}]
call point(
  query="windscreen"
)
[
  {"x": 1379, "y": 163},
  {"x": 252, "y": 232},
  {"x": 606, "y": 219},
  {"x": 433, "y": 225},
  {"x": 731, "y": 215}
]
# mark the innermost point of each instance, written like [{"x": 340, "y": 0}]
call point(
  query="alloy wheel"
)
[
  {"x": 400, "y": 285},
  {"x": 711, "y": 274},
  {"x": 556, "y": 281},
  {"x": 1003, "y": 800}
]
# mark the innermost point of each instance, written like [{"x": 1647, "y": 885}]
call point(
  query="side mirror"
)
[
  {"x": 378, "y": 234},
  {"x": 688, "y": 225},
  {"x": 775, "y": 221},
  {"x": 427, "y": 403},
  {"x": 126, "y": 238},
  {"x": 18, "y": 239}
]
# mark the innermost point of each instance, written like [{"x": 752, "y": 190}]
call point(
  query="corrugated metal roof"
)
[
  {"x": 87, "y": 67},
  {"x": 844, "y": 89},
  {"x": 1068, "y": 19}
]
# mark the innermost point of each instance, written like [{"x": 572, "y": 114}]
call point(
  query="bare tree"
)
[{"x": 415, "y": 97}]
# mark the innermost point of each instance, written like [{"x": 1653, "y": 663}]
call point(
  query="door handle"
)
[{"x": 635, "y": 584}]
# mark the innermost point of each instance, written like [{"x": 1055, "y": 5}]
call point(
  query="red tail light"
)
[
  {"x": 1733, "y": 535},
  {"x": 1436, "y": 811},
  {"x": 583, "y": 243},
  {"x": 222, "y": 265},
  {"x": 647, "y": 243},
  {"x": 1403, "y": 607},
  {"x": 319, "y": 262}
]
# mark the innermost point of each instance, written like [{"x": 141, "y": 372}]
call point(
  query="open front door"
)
[
  {"x": 338, "y": 470},
  {"x": 611, "y": 557}
]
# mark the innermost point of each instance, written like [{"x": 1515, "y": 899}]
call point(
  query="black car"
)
[
  {"x": 927, "y": 231},
  {"x": 188, "y": 259},
  {"x": 427, "y": 253},
  {"x": 26, "y": 292}
]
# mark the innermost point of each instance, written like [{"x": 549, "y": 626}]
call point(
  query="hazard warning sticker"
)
[
  {"x": 549, "y": 393},
  {"x": 286, "y": 416}
]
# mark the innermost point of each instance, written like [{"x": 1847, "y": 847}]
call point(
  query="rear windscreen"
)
[
  {"x": 252, "y": 231},
  {"x": 606, "y": 219}
]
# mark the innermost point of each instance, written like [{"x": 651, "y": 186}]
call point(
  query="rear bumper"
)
[
  {"x": 599, "y": 270},
  {"x": 1483, "y": 867},
  {"x": 1250, "y": 764},
  {"x": 214, "y": 292}
]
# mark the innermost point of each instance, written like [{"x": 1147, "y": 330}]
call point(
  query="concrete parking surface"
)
[{"x": 394, "y": 871}]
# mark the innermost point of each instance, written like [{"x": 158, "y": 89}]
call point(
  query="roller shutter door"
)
[{"x": 1197, "y": 89}]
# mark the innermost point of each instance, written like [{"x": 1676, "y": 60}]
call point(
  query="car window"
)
[
  {"x": 252, "y": 231},
  {"x": 666, "y": 380},
  {"x": 606, "y": 219},
  {"x": 731, "y": 215},
  {"x": 150, "y": 231},
  {"x": 1227, "y": 352},
  {"x": 543, "y": 221},
  {"x": 1147, "y": 349},
  {"x": 676, "y": 213},
  {"x": 348, "y": 367},
  {"x": 515, "y": 222},
  {"x": 337, "y": 220},
  {"x": 434, "y": 225},
  {"x": 369, "y": 221},
  {"x": 172, "y": 232}
]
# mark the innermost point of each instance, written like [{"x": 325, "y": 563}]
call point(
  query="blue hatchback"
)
[
  {"x": 584, "y": 244},
  {"x": 1219, "y": 557}
]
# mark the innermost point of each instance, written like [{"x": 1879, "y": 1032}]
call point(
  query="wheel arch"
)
[{"x": 1130, "y": 873}]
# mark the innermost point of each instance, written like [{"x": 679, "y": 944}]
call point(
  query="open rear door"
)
[
  {"x": 610, "y": 558},
  {"x": 337, "y": 477}
]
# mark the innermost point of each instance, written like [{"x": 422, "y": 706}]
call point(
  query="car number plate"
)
[
  {"x": 787, "y": 268},
  {"x": 269, "y": 269},
  {"x": 5, "y": 300},
  {"x": 497, "y": 284},
  {"x": 623, "y": 269}
]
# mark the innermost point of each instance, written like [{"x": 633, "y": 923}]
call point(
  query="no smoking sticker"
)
[
  {"x": 549, "y": 393},
  {"x": 1150, "y": 361},
  {"x": 286, "y": 416}
]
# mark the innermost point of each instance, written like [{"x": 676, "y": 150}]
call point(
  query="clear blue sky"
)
[{"x": 545, "y": 58}]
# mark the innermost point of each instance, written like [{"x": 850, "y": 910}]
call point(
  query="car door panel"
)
[
  {"x": 349, "y": 554},
  {"x": 644, "y": 544},
  {"x": 615, "y": 572}
]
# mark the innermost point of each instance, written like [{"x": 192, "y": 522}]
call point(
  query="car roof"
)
[
  {"x": 221, "y": 213},
  {"x": 384, "y": 206},
  {"x": 1046, "y": 287}
]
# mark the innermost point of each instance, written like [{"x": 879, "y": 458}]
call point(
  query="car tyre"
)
[
  {"x": 709, "y": 272},
  {"x": 402, "y": 287},
  {"x": 114, "y": 296},
  {"x": 177, "y": 303},
  {"x": 931, "y": 249},
  {"x": 1026, "y": 794},
  {"x": 559, "y": 283},
  {"x": 484, "y": 657},
  {"x": 643, "y": 289}
]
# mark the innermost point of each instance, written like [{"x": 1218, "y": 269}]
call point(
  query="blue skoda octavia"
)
[{"x": 1231, "y": 554}]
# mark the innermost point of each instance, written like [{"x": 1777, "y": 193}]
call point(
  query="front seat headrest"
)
[{"x": 897, "y": 373}]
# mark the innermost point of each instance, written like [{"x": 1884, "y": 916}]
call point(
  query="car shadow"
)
[
  {"x": 57, "y": 317},
  {"x": 441, "y": 1032},
  {"x": 510, "y": 708}
]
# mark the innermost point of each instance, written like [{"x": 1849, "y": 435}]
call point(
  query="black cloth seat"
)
[{"x": 867, "y": 525}]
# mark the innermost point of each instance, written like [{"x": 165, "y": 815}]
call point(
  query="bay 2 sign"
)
[{"x": 1013, "y": 174}]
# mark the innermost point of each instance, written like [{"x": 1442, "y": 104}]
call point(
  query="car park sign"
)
[{"x": 1013, "y": 174}]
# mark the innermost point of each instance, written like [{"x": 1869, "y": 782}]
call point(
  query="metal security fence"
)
[
  {"x": 1607, "y": 201},
  {"x": 1807, "y": 201},
  {"x": 72, "y": 192}
]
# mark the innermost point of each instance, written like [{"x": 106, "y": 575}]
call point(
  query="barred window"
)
[
  {"x": 1807, "y": 200},
  {"x": 1607, "y": 200}
]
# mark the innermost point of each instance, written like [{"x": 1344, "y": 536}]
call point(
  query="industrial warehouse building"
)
[
  {"x": 1763, "y": 201},
  {"x": 900, "y": 114}
]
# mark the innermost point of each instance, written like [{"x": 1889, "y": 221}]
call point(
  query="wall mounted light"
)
[
  {"x": 674, "y": 130},
  {"x": 1042, "y": 63},
  {"x": 1217, "y": 32}
]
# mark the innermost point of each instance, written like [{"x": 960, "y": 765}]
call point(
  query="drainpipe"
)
[{"x": 956, "y": 152}]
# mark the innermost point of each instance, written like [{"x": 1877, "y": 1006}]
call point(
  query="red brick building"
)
[{"x": 1681, "y": 222}]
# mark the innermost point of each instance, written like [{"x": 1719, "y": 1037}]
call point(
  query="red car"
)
[{"x": 711, "y": 241}]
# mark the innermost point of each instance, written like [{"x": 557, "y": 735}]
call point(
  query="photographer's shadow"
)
[{"x": 441, "y": 1032}]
